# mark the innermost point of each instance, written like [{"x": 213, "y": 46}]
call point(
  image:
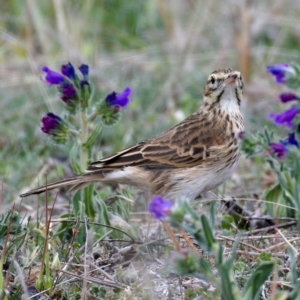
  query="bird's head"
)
[{"x": 224, "y": 87}]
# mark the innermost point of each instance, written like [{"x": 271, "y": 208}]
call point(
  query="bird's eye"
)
[{"x": 213, "y": 80}]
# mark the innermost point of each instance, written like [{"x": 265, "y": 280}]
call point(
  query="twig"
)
[
  {"x": 288, "y": 242},
  {"x": 273, "y": 227},
  {"x": 259, "y": 237},
  {"x": 222, "y": 237},
  {"x": 171, "y": 234},
  {"x": 204, "y": 201},
  {"x": 101, "y": 238},
  {"x": 98, "y": 224},
  {"x": 251, "y": 253},
  {"x": 151, "y": 242},
  {"x": 93, "y": 280},
  {"x": 112, "y": 199},
  {"x": 21, "y": 278},
  {"x": 102, "y": 272},
  {"x": 285, "y": 284},
  {"x": 41, "y": 273},
  {"x": 188, "y": 241},
  {"x": 269, "y": 218},
  {"x": 73, "y": 256},
  {"x": 86, "y": 266},
  {"x": 282, "y": 243},
  {"x": 74, "y": 231}
]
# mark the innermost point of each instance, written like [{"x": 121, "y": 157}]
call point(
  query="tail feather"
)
[{"x": 78, "y": 182}]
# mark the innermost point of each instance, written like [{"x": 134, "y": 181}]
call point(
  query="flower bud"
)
[
  {"x": 55, "y": 126},
  {"x": 69, "y": 71},
  {"x": 278, "y": 149},
  {"x": 286, "y": 97},
  {"x": 84, "y": 69}
]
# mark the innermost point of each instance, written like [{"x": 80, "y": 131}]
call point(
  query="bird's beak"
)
[{"x": 231, "y": 79}]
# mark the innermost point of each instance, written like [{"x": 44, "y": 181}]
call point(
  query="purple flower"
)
[
  {"x": 68, "y": 91},
  {"x": 280, "y": 71},
  {"x": 53, "y": 77},
  {"x": 159, "y": 207},
  {"x": 240, "y": 134},
  {"x": 120, "y": 99},
  {"x": 84, "y": 69},
  {"x": 68, "y": 70},
  {"x": 51, "y": 122},
  {"x": 278, "y": 149},
  {"x": 292, "y": 139},
  {"x": 286, "y": 97},
  {"x": 285, "y": 116}
]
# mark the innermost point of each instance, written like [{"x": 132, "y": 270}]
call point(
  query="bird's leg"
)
[
  {"x": 189, "y": 242},
  {"x": 171, "y": 234}
]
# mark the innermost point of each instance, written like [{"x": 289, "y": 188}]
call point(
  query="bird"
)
[{"x": 194, "y": 156}]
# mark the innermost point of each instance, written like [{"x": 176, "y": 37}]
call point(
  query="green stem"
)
[{"x": 83, "y": 140}]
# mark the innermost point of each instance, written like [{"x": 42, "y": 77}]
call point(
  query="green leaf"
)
[
  {"x": 241, "y": 267},
  {"x": 212, "y": 213},
  {"x": 206, "y": 269},
  {"x": 74, "y": 158},
  {"x": 90, "y": 141},
  {"x": 16, "y": 226},
  {"x": 209, "y": 237},
  {"x": 295, "y": 294},
  {"x": 296, "y": 193},
  {"x": 80, "y": 237},
  {"x": 102, "y": 211},
  {"x": 64, "y": 229},
  {"x": 229, "y": 289},
  {"x": 275, "y": 196},
  {"x": 263, "y": 257},
  {"x": 257, "y": 279},
  {"x": 227, "y": 222},
  {"x": 298, "y": 220},
  {"x": 229, "y": 261},
  {"x": 75, "y": 201},
  {"x": 121, "y": 208},
  {"x": 88, "y": 200},
  {"x": 186, "y": 265}
]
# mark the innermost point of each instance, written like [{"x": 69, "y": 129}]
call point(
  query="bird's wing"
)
[{"x": 184, "y": 145}]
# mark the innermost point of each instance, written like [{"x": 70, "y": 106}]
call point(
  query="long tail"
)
[{"x": 78, "y": 181}]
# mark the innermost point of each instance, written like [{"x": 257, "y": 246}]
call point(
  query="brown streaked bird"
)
[{"x": 192, "y": 157}]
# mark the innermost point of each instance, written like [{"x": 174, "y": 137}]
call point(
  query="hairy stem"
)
[{"x": 83, "y": 140}]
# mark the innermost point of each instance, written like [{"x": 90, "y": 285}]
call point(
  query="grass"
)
[{"x": 164, "y": 51}]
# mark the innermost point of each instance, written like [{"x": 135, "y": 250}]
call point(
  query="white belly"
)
[{"x": 194, "y": 181}]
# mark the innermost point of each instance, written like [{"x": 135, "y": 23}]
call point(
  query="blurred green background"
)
[{"x": 164, "y": 50}]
